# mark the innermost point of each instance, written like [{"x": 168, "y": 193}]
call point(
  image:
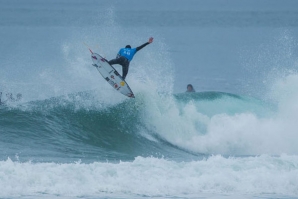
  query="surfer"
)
[
  {"x": 125, "y": 56},
  {"x": 10, "y": 98},
  {"x": 0, "y": 98},
  {"x": 190, "y": 88},
  {"x": 19, "y": 97}
]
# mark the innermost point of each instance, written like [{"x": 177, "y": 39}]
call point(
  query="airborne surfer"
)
[{"x": 125, "y": 56}]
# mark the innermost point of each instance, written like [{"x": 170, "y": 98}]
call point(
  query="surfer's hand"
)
[{"x": 150, "y": 40}]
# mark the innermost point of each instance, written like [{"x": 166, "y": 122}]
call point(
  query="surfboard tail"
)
[{"x": 131, "y": 95}]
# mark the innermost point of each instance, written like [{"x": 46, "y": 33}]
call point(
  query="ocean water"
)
[{"x": 73, "y": 136}]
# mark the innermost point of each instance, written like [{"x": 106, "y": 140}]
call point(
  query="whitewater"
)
[{"x": 73, "y": 136}]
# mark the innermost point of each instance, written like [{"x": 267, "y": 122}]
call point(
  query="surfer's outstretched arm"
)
[{"x": 145, "y": 44}]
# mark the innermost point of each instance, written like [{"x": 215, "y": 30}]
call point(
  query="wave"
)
[
  {"x": 176, "y": 126},
  {"x": 266, "y": 176},
  {"x": 86, "y": 125}
]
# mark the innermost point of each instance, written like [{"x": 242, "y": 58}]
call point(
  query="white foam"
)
[
  {"x": 245, "y": 132},
  {"x": 153, "y": 177}
]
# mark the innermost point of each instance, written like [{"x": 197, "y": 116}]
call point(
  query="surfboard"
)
[{"x": 111, "y": 75}]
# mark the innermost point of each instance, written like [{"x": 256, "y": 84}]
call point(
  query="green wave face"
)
[{"x": 80, "y": 127}]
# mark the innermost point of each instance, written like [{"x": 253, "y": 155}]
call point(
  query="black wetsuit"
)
[{"x": 124, "y": 62}]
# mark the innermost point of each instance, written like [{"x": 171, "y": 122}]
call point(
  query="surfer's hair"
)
[
  {"x": 189, "y": 85},
  {"x": 127, "y": 46}
]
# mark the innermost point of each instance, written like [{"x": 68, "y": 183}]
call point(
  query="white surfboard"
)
[{"x": 109, "y": 73}]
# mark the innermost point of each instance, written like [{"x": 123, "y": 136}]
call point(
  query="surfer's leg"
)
[
  {"x": 115, "y": 61},
  {"x": 123, "y": 62},
  {"x": 125, "y": 67}
]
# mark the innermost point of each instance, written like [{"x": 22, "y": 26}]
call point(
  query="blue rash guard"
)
[
  {"x": 124, "y": 57},
  {"x": 128, "y": 53}
]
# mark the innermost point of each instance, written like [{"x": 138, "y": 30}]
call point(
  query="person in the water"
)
[
  {"x": 9, "y": 98},
  {"x": 190, "y": 88},
  {"x": 19, "y": 97},
  {"x": 0, "y": 98},
  {"x": 125, "y": 56}
]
